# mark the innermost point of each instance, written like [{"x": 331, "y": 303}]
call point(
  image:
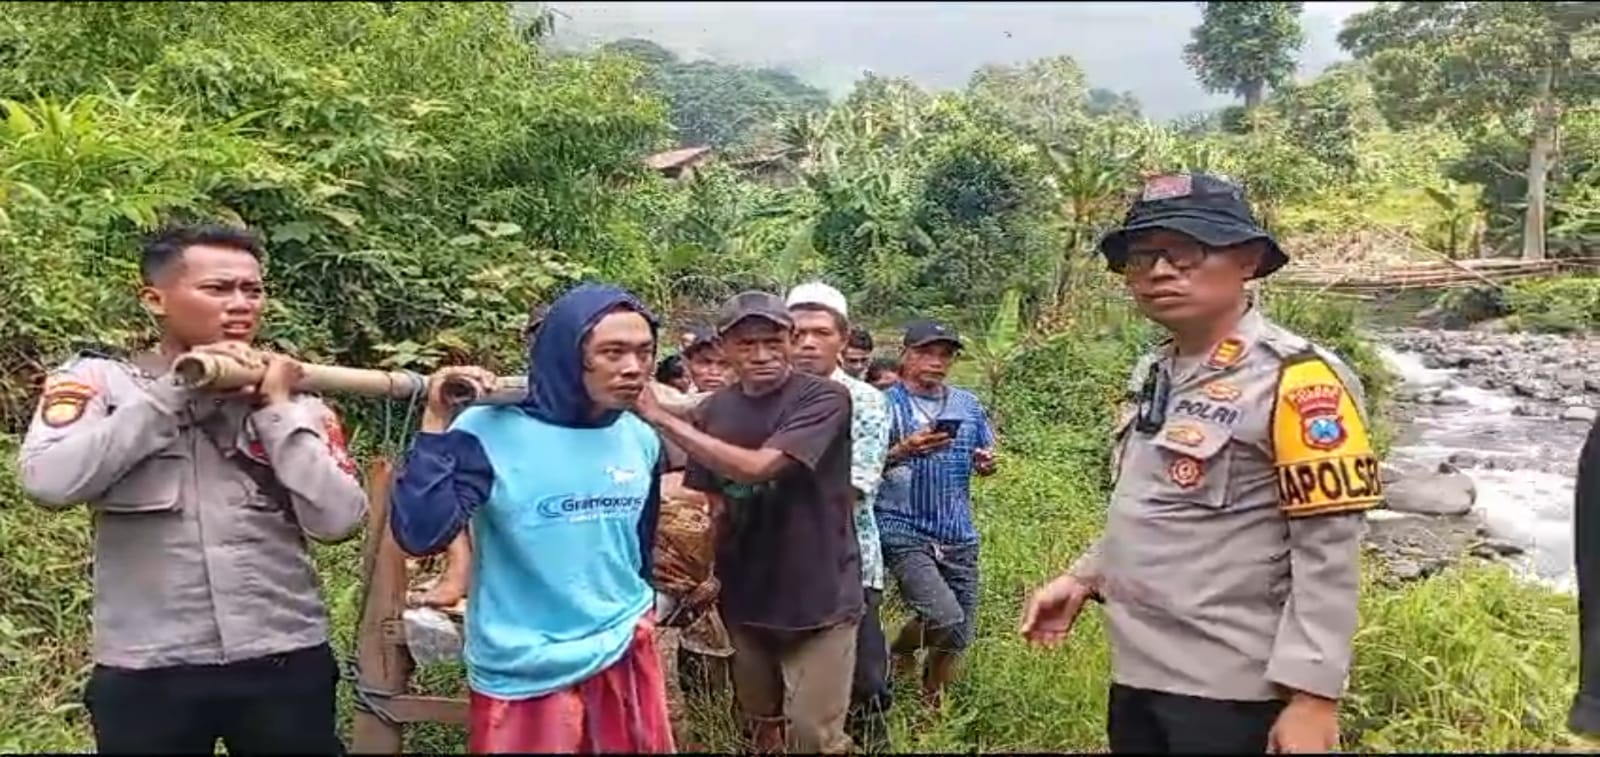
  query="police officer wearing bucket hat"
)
[{"x": 1228, "y": 569}]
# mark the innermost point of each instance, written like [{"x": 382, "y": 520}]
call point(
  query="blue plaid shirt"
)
[{"x": 928, "y": 497}]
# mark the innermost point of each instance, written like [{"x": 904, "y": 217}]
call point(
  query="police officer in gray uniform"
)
[
  {"x": 208, "y": 619},
  {"x": 1229, "y": 565}
]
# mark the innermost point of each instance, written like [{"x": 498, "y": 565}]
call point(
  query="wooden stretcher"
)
[
  {"x": 384, "y": 704},
  {"x": 384, "y": 662}
]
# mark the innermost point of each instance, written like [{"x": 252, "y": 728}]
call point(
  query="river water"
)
[{"x": 1519, "y": 452}]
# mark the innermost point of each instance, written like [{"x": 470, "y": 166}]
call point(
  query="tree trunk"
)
[
  {"x": 1539, "y": 167},
  {"x": 1252, "y": 92}
]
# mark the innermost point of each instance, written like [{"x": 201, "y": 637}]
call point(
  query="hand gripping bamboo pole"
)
[{"x": 204, "y": 370}]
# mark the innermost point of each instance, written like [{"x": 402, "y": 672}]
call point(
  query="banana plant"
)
[
  {"x": 1090, "y": 179},
  {"x": 1002, "y": 342},
  {"x": 1459, "y": 211}
]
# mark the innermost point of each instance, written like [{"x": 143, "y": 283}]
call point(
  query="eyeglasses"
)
[{"x": 1181, "y": 258}]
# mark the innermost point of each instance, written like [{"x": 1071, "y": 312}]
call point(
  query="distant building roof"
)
[{"x": 674, "y": 159}]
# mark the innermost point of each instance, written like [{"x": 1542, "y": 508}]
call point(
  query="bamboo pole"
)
[{"x": 205, "y": 370}]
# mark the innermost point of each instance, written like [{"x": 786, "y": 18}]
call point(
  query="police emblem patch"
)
[
  {"x": 1321, "y": 426},
  {"x": 1221, "y": 391},
  {"x": 64, "y": 402},
  {"x": 1188, "y": 436},
  {"x": 1226, "y": 353},
  {"x": 1185, "y": 472}
]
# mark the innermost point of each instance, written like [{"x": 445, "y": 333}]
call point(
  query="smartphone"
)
[{"x": 947, "y": 426}]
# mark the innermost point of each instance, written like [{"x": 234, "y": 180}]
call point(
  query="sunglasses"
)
[{"x": 1180, "y": 258}]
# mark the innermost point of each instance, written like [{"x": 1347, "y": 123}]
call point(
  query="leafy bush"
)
[
  {"x": 1564, "y": 304},
  {"x": 1558, "y": 305},
  {"x": 423, "y": 171}
]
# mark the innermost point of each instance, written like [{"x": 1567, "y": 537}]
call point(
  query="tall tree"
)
[
  {"x": 1329, "y": 114},
  {"x": 1105, "y": 102},
  {"x": 1244, "y": 48},
  {"x": 1046, "y": 97},
  {"x": 1485, "y": 65},
  {"x": 722, "y": 105}
]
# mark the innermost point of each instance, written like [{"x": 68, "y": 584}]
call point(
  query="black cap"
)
[
  {"x": 919, "y": 333},
  {"x": 753, "y": 305},
  {"x": 1209, "y": 208},
  {"x": 699, "y": 336}
]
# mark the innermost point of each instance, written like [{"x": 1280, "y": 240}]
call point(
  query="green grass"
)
[{"x": 1469, "y": 659}]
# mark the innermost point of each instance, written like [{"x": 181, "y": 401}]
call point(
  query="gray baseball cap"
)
[{"x": 753, "y": 305}]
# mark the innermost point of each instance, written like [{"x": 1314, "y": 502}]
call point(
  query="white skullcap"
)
[{"x": 818, "y": 293}]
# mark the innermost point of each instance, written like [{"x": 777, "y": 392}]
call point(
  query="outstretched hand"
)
[{"x": 1053, "y": 609}]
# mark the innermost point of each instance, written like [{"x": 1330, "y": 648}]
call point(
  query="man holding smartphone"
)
[{"x": 939, "y": 438}]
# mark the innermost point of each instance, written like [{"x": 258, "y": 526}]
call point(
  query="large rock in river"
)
[{"x": 1432, "y": 494}]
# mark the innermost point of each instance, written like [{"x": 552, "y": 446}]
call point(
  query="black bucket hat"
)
[{"x": 1209, "y": 208}]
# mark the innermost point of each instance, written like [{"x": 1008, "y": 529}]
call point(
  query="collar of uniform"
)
[
  {"x": 152, "y": 363},
  {"x": 1250, "y": 327}
]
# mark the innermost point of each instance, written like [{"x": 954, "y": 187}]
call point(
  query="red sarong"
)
[{"x": 622, "y": 709}]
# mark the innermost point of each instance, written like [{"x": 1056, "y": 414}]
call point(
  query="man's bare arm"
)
[{"x": 735, "y": 463}]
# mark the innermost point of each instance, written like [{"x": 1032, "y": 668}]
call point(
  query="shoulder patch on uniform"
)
[
  {"x": 1227, "y": 352},
  {"x": 1320, "y": 443},
  {"x": 65, "y": 398}
]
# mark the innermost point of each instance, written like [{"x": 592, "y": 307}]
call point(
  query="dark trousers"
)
[
  {"x": 1140, "y": 721},
  {"x": 1584, "y": 718},
  {"x": 870, "y": 695},
  {"x": 281, "y": 703}
]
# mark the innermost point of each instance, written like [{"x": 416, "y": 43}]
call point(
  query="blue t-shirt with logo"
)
[{"x": 559, "y": 565}]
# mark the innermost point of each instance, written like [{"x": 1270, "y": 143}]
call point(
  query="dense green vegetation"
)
[
  {"x": 1560, "y": 305},
  {"x": 424, "y": 170},
  {"x": 720, "y": 105}
]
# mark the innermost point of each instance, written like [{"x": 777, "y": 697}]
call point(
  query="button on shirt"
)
[{"x": 928, "y": 497}]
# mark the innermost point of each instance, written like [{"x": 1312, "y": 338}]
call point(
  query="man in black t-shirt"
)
[{"x": 772, "y": 453}]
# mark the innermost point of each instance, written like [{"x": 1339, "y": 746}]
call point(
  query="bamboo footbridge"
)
[{"x": 1375, "y": 277}]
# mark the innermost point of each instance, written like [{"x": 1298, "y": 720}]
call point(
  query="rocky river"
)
[{"x": 1488, "y": 431}]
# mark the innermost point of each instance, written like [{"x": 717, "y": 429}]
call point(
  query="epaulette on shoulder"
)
[
  {"x": 1285, "y": 343},
  {"x": 84, "y": 350}
]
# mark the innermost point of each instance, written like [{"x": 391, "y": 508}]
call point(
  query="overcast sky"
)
[{"x": 1122, "y": 46}]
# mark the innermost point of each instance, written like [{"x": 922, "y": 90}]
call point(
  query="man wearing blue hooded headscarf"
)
[{"x": 562, "y": 496}]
